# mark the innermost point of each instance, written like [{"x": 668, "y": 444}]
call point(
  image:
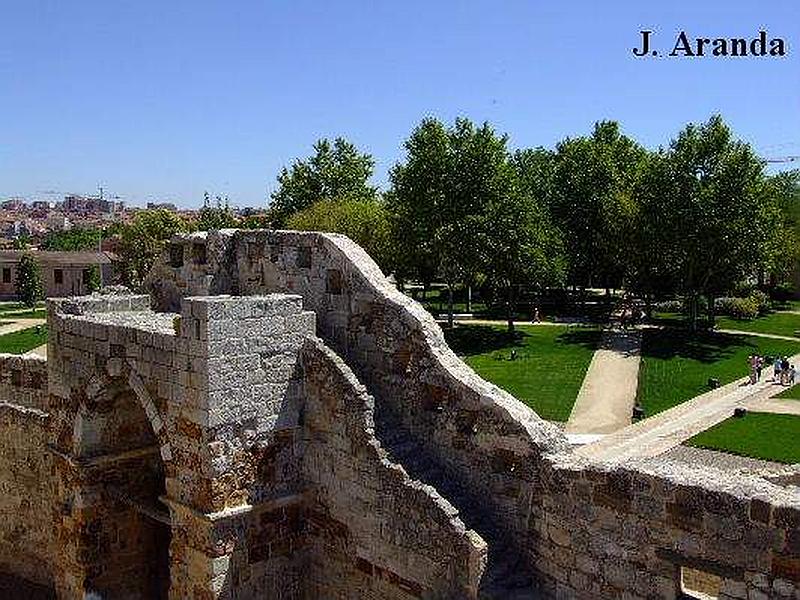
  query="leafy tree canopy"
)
[
  {"x": 142, "y": 240},
  {"x": 29, "y": 280},
  {"x": 336, "y": 171},
  {"x": 366, "y": 222},
  {"x": 216, "y": 215},
  {"x": 77, "y": 238}
]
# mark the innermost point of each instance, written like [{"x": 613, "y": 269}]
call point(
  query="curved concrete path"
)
[
  {"x": 12, "y": 325},
  {"x": 608, "y": 393},
  {"x": 659, "y": 433}
]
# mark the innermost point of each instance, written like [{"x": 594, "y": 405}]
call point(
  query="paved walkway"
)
[
  {"x": 668, "y": 429},
  {"x": 39, "y": 351},
  {"x": 780, "y": 406},
  {"x": 608, "y": 393},
  {"x": 13, "y": 325},
  {"x": 773, "y": 336}
]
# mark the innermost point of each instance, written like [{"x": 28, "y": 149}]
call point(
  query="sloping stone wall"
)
[
  {"x": 488, "y": 441},
  {"x": 373, "y": 532}
]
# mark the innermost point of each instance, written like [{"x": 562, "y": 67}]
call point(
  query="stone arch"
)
[
  {"x": 88, "y": 387},
  {"x": 116, "y": 461}
]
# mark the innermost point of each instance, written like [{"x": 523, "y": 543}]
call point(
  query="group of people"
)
[{"x": 783, "y": 372}]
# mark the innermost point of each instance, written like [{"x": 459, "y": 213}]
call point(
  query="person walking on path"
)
[{"x": 776, "y": 369}]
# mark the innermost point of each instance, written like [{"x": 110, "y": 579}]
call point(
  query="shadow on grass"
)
[
  {"x": 706, "y": 347},
  {"x": 480, "y": 339},
  {"x": 469, "y": 340},
  {"x": 588, "y": 338}
]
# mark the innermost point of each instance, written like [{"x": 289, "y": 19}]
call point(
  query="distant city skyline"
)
[{"x": 159, "y": 102}]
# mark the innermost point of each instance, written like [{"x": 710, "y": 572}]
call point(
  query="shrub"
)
[
  {"x": 744, "y": 309},
  {"x": 761, "y": 300},
  {"x": 672, "y": 306}
]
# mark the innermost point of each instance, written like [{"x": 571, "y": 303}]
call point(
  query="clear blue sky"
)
[{"x": 163, "y": 100}]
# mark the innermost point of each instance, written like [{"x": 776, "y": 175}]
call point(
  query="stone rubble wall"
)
[
  {"x": 613, "y": 531},
  {"x": 590, "y": 530},
  {"x": 487, "y": 439},
  {"x": 218, "y": 386},
  {"x": 23, "y": 381},
  {"x": 374, "y": 533},
  {"x": 26, "y": 549},
  {"x": 27, "y": 546}
]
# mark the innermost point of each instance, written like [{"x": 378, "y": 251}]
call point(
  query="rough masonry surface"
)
[{"x": 275, "y": 420}]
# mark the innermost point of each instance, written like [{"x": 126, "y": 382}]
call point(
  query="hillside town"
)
[{"x": 32, "y": 220}]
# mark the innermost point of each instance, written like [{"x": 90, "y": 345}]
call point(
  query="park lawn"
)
[
  {"x": 17, "y": 307},
  {"x": 777, "y": 323},
  {"x": 758, "y": 435},
  {"x": 23, "y": 341},
  {"x": 791, "y": 393},
  {"x": 676, "y": 365},
  {"x": 550, "y": 364},
  {"x": 39, "y": 313}
]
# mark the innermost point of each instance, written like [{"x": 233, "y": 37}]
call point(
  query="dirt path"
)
[
  {"x": 668, "y": 429},
  {"x": 13, "y": 325},
  {"x": 608, "y": 393}
]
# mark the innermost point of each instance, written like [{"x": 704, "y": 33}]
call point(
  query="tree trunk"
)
[
  {"x": 450, "y": 319},
  {"x": 510, "y": 305},
  {"x": 469, "y": 298},
  {"x": 693, "y": 312},
  {"x": 712, "y": 312}
]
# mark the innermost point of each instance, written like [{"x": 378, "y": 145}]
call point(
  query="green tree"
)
[
  {"x": 593, "y": 202},
  {"x": 22, "y": 242},
  {"x": 654, "y": 265},
  {"x": 440, "y": 197},
  {"x": 782, "y": 249},
  {"x": 522, "y": 247},
  {"x": 366, "y": 222},
  {"x": 78, "y": 238},
  {"x": 29, "y": 280},
  {"x": 420, "y": 189},
  {"x": 336, "y": 171},
  {"x": 716, "y": 210},
  {"x": 142, "y": 240},
  {"x": 217, "y": 215},
  {"x": 93, "y": 279}
]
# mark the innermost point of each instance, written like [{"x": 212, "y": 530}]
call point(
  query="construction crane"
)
[{"x": 781, "y": 159}]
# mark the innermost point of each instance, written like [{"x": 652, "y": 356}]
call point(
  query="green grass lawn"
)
[
  {"x": 758, "y": 435},
  {"x": 39, "y": 313},
  {"x": 778, "y": 323},
  {"x": 791, "y": 393},
  {"x": 676, "y": 365},
  {"x": 23, "y": 340},
  {"x": 549, "y": 367}
]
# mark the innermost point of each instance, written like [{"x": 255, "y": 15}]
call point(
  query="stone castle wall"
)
[
  {"x": 220, "y": 449},
  {"x": 26, "y": 545},
  {"x": 487, "y": 440},
  {"x": 192, "y": 450},
  {"x": 589, "y": 531},
  {"x": 364, "y": 545}
]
